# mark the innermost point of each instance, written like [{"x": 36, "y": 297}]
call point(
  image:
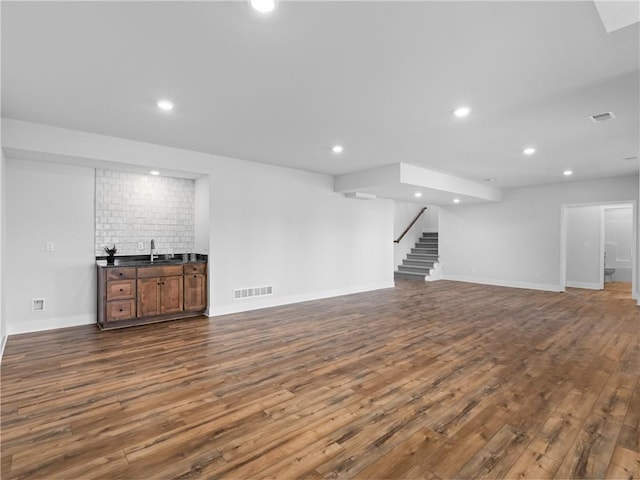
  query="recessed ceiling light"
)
[
  {"x": 417, "y": 194},
  {"x": 165, "y": 105},
  {"x": 263, "y": 6},
  {"x": 456, "y": 200},
  {"x": 154, "y": 172},
  {"x": 566, "y": 173},
  {"x": 529, "y": 151},
  {"x": 462, "y": 112},
  {"x": 337, "y": 149}
]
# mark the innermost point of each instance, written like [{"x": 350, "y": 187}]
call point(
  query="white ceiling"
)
[{"x": 381, "y": 78}]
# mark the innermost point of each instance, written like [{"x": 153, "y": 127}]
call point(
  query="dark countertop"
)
[{"x": 143, "y": 261}]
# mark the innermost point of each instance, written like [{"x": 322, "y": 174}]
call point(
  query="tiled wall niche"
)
[{"x": 133, "y": 208}]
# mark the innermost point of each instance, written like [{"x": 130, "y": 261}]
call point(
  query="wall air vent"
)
[
  {"x": 601, "y": 117},
  {"x": 241, "y": 293}
]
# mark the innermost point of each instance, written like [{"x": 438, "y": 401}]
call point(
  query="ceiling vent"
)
[{"x": 601, "y": 117}]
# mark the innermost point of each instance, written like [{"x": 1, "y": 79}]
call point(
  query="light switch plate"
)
[
  {"x": 49, "y": 247},
  {"x": 140, "y": 246}
]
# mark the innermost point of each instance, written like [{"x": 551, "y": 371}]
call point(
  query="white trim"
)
[
  {"x": 3, "y": 343},
  {"x": 588, "y": 285},
  {"x": 601, "y": 269},
  {"x": 563, "y": 247},
  {"x": 547, "y": 287},
  {"x": 269, "y": 302},
  {"x": 435, "y": 273},
  {"x": 50, "y": 324}
]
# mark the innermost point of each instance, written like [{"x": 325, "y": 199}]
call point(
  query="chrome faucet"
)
[{"x": 153, "y": 247}]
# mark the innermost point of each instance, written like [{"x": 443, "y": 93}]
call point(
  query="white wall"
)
[
  {"x": 289, "y": 229},
  {"x": 431, "y": 219},
  {"x": 268, "y": 225},
  {"x": 49, "y": 203},
  {"x": 201, "y": 215},
  {"x": 517, "y": 242},
  {"x": 618, "y": 238},
  {"x": 3, "y": 318},
  {"x": 3, "y": 203},
  {"x": 584, "y": 263}
]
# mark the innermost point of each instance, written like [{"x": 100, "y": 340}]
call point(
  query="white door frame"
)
[{"x": 563, "y": 240}]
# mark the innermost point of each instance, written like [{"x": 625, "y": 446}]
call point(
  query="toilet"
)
[
  {"x": 609, "y": 251},
  {"x": 608, "y": 273}
]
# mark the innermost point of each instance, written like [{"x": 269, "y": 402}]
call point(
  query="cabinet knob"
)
[
  {"x": 120, "y": 309},
  {"x": 121, "y": 290},
  {"x": 120, "y": 274}
]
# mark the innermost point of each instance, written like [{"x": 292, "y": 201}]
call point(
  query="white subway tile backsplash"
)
[{"x": 132, "y": 208}]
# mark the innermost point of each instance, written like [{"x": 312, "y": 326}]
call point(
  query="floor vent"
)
[
  {"x": 241, "y": 293},
  {"x": 601, "y": 117}
]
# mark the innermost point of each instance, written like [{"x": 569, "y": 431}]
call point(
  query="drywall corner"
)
[{"x": 201, "y": 214}]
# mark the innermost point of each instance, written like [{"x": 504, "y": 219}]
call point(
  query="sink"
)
[
  {"x": 173, "y": 261},
  {"x": 165, "y": 262}
]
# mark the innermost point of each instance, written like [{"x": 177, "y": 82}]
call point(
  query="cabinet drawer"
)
[
  {"x": 120, "y": 290},
  {"x": 121, "y": 273},
  {"x": 120, "y": 310},
  {"x": 160, "y": 271},
  {"x": 195, "y": 268}
]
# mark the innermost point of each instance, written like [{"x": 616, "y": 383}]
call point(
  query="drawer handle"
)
[
  {"x": 120, "y": 309},
  {"x": 121, "y": 274}
]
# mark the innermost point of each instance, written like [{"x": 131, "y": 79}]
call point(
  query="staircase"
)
[{"x": 422, "y": 262}]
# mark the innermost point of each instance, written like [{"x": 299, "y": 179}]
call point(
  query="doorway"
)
[
  {"x": 598, "y": 246},
  {"x": 618, "y": 249}
]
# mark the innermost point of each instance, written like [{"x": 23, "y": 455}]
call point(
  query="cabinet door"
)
[
  {"x": 195, "y": 292},
  {"x": 148, "y": 297},
  {"x": 171, "y": 297}
]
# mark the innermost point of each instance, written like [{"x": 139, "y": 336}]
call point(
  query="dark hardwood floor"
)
[{"x": 428, "y": 380}]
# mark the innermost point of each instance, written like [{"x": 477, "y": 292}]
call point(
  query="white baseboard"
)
[
  {"x": 587, "y": 285},
  {"x": 3, "y": 343},
  {"x": 547, "y": 287},
  {"x": 247, "y": 305},
  {"x": 50, "y": 324}
]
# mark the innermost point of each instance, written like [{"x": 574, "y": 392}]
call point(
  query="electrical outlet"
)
[
  {"x": 37, "y": 304},
  {"x": 140, "y": 245},
  {"x": 49, "y": 247}
]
